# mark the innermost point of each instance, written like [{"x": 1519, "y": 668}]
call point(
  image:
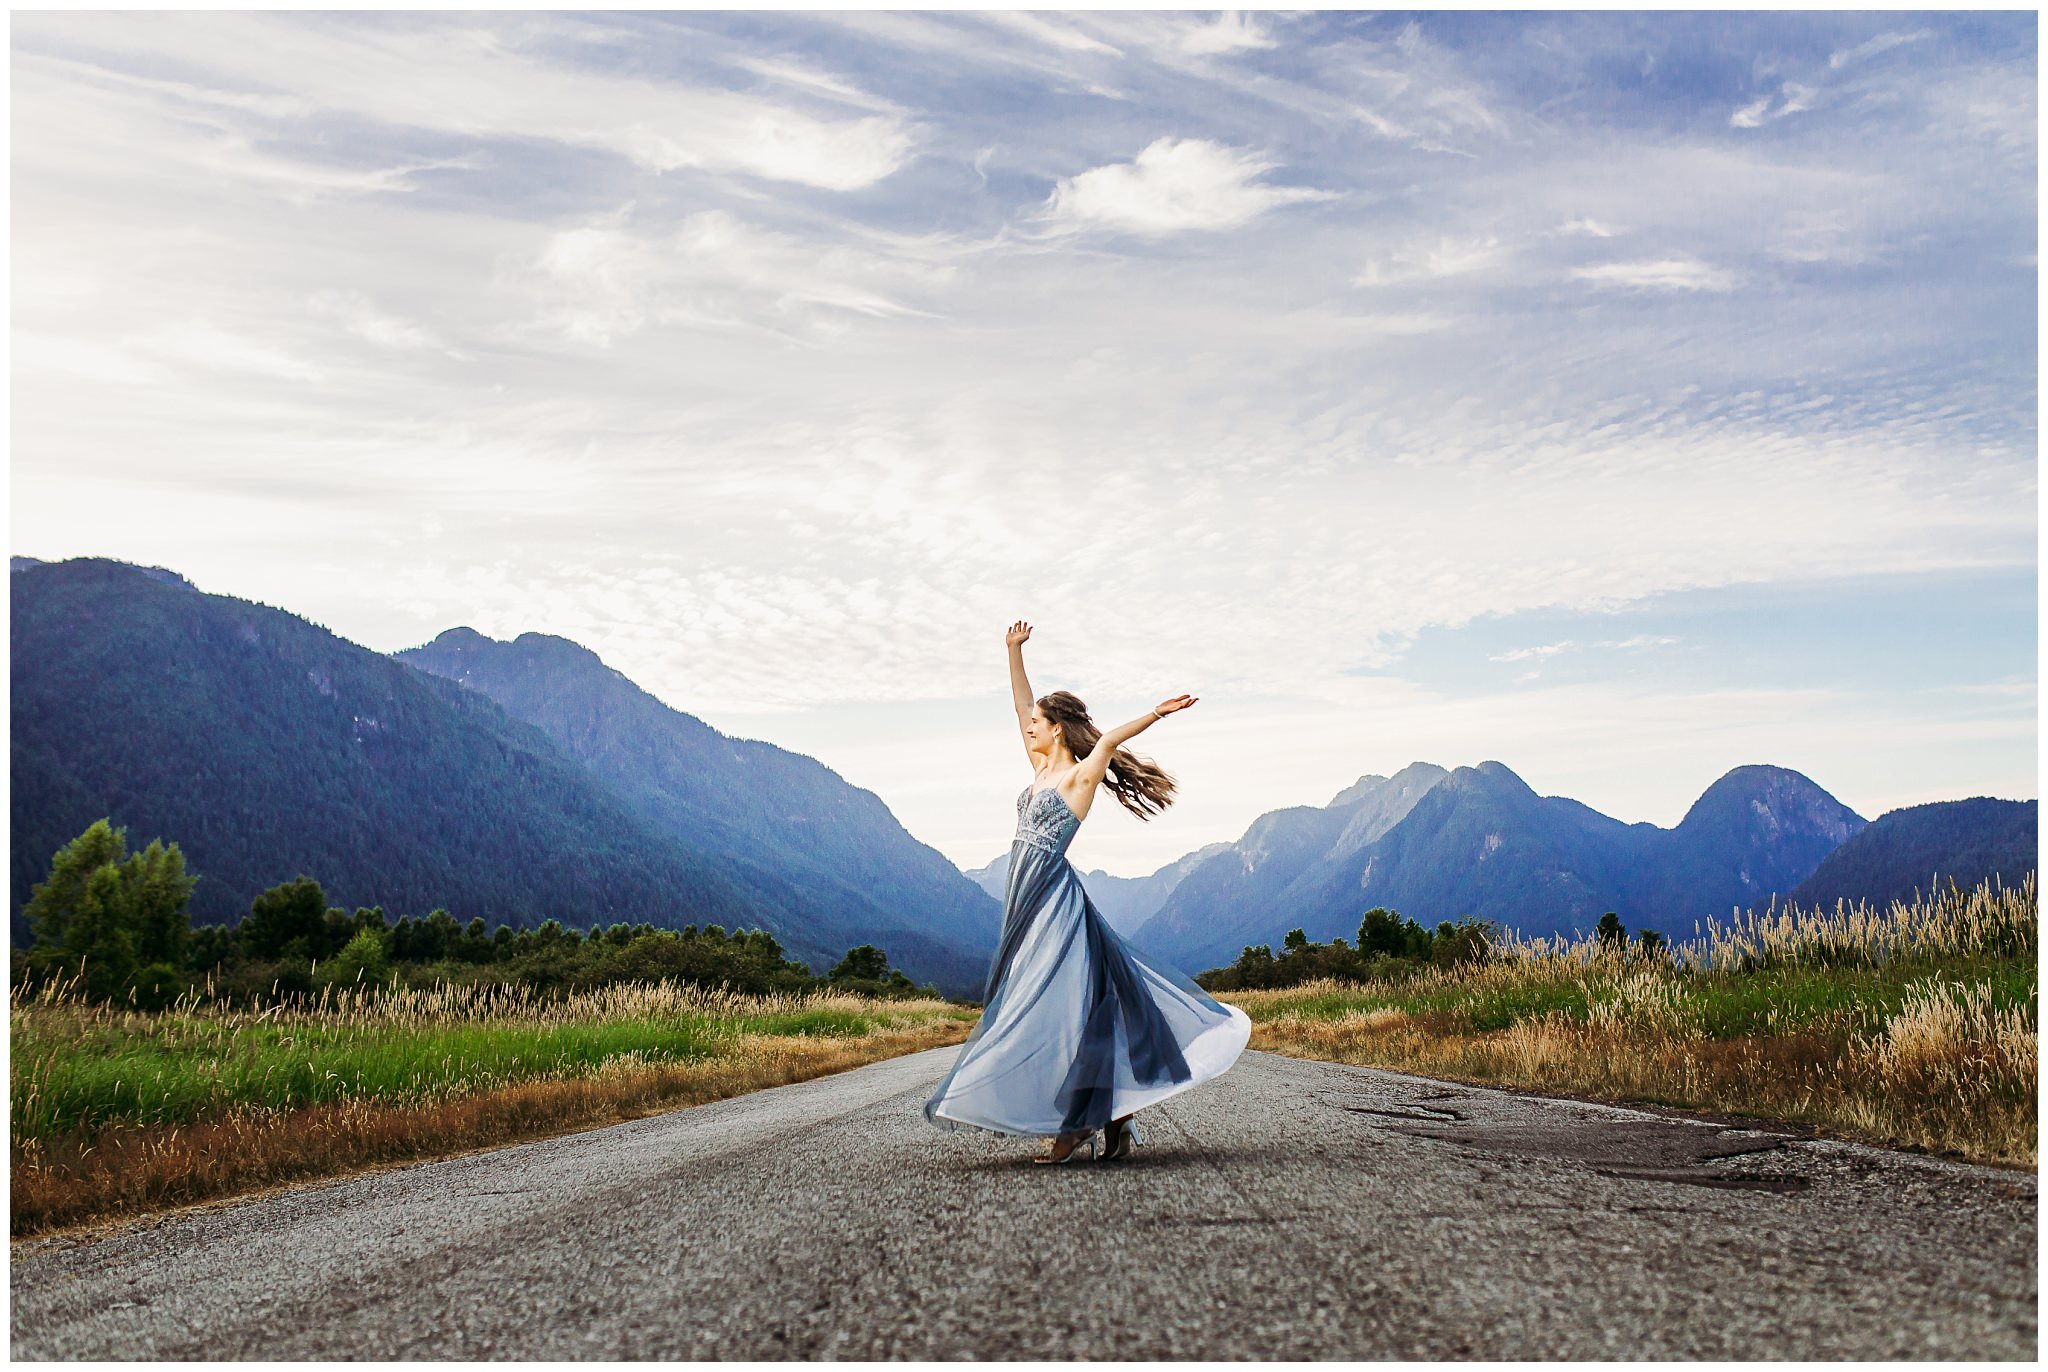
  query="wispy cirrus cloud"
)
[
  {"x": 1429, "y": 262},
  {"x": 1173, "y": 185},
  {"x": 1634, "y": 641},
  {"x": 476, "y": 81},
  {"x": 360, "y": 316},
  {"x": 1790, "y": 98},
  {"x": 610, "y": 277},
  {"x": 1871, "y": 47},
  {"x": 1659, "y": 274},
  {"x": 1588, "y": 228}
]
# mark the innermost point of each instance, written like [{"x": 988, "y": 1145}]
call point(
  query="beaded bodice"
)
[{"x": 1045, "y": 820}]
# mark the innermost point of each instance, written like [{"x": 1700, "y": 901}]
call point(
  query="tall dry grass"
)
[
  {"x": 115, "y": 1111},
  {"x": 1910, "y": 1025}
]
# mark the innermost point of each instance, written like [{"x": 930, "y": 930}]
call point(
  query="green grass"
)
[{"x": 78, "y": 1069}]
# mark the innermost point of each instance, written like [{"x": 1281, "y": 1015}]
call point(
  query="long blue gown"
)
[{"x": 1077, "y": 1028}]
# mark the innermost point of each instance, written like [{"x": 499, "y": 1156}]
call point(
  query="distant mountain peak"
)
[
  {"x": 162, "y": 574},
  {"x": 1493, "y": 778},
  {"x": 1356, "y": 791},
  {"x": 1373, "y": 784},
  {"x": 1752, "y": 774},
  {"x": 556, "y": 644},
  {"x": 1773, "y": 797},
  {"x": 460, "y": 636}
]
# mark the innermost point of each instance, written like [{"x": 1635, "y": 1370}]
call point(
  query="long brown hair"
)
[{"x": 1141, "y": 785}]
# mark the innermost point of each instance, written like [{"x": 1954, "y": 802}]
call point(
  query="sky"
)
[{"x": 1621, "y": 397}]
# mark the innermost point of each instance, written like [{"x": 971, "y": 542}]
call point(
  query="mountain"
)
[
  {"x": 1755, "y": 832},
  {"x": 1478, "y": 841},
  {"x": 266, "y": 746},
  {"x": 1126, "y": 902},
  {"x": 827, "y": 852},
  {"x": 1912, "y": 851},
  {"x": 1281, "y": 864}
]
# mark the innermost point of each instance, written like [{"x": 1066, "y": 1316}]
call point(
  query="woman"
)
[{"x": 1078, "y": 1032}]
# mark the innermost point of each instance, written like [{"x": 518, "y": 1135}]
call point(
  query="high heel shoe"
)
[
  {"x": 1120, "y": 1137},
  {"x": 1068, "y": 1156}
]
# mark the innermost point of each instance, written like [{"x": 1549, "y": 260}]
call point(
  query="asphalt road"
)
[{"x": 1288, "y": 1210}]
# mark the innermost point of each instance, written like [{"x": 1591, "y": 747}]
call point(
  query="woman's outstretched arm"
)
[{"x": 1096, "y": 765}]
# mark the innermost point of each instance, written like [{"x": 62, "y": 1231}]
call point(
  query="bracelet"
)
[{"x": 1157, "y": 715}]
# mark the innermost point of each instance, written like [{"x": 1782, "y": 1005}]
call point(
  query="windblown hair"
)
[{"x": 1142, "y": 786}]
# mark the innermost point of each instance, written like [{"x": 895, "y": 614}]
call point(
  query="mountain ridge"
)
[
  {"x": 1479, "y": 841},
  {"x": 831, "y": 851}
]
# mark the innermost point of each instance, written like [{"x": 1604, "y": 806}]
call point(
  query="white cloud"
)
[
  {"x": 1789, "y": 98},
  {"x": 1659, "y": 274},
  {"x": 199, "y": 342},
  {"x": 1823, "y": 235},
  {"x": 1635, "y": 641},
  {"x": 1040, "y": 29},
  {"x": 1173, "y": 185},
  {"x": 360, "y": 316},
  {"x": 465, "y": 79},
  {"x": 793, "y": 71},
  {"x": 1586, "y": 227},
  {"x": 1446, "y": 257},
  {"x": 1521, "y": 654},
  {"x": 1884, "y": 42},
  {"x": 609, "y": 278},
  {"x": 1232, "y": 31}
]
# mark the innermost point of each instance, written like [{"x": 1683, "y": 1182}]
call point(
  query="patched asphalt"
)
[{"x": 1288, "y": 1210}]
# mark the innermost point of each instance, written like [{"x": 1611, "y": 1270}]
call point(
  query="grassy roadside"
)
[
  {"x": 117, "y": 1112},
  {"x": 1914, "y": 1026}
]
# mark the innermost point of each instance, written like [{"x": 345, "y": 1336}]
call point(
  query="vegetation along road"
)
[{"x": 1290, "y": 1210}]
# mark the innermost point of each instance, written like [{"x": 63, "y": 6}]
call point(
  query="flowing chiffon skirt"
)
[{"x": 1077, "y": 1027}]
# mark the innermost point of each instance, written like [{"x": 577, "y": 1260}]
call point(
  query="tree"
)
[
  {"x": 1468, "y": 940},
  {"x": 1381, "y": 933},
  {"x": 363, "y": 962},
  {"x": 110, "y": 912},
  {"x": 53, "y": 902},
  {"x": 435, "y": 937},
  {"x": 209, "y": 947},
  {"x": 865, "y": 963},
  {"x": 1649, "y": 943},
  {"x": 94, "y": 938},
  {"x": 1295, "y": 941},
  {"x": 158, "y": 890},
  {"x": 293, "y": 913},
  {"x": 1610, "y": 930}
]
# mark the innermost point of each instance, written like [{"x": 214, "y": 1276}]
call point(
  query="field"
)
[
  {"x": 118, "y": 1112},
  {"x": 1912, "y": 1026}
]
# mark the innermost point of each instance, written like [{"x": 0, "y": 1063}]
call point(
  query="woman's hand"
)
[
  {"x": 1018, "y": 633},
  {"x": 1180, "y": 702}
]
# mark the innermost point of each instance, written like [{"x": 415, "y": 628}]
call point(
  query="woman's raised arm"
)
[{"x": 1020, "y": 685}]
